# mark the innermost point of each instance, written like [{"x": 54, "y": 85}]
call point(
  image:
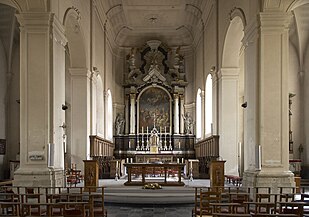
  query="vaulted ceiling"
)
[{"x": 177, "y": 22}]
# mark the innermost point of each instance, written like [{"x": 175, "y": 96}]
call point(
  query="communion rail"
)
[{"x": 206, "y": 150}]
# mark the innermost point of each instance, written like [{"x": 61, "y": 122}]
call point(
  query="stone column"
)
[
  {"x": 176, "y": 113},
  {"x": 42, "y": 85},
  {"x": 228, "y": 117},
  {"x": 182, "y": 113},
  {"x": 127, "y": 114},
  {"x": 132, "y": 113},
  {"x": 272, "y": 131}
]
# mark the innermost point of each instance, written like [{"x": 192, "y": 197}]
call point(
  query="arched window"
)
[
  {"x": 109, "y": 116},
  {"x": 208, "y": 105},
  {"x": 100, "y": 107},
  {"x": 198, "y": 114}
]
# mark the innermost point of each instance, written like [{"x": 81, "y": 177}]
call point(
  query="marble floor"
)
[
  {"x": 136, "y": 208},
  {"x": 129, "y": 210}
]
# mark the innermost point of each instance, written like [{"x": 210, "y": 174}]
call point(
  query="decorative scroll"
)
[{"x": 154, "y": 105}]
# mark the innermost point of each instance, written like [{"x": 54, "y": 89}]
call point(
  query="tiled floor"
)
[{"x": 123, "y": 210}]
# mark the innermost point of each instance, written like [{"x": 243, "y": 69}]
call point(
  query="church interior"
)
[{"x": 141, "y": 94}]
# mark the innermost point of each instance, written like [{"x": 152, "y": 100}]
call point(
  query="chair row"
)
[
  {"x": 52, "y": 201},
  {"x": 264, "y": 200}
]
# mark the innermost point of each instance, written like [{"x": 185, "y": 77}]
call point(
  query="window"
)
[
  {"x": 199, "y": 114},
  {"x": 208, "y": 106},
  {"x": 109, "y": 116}
]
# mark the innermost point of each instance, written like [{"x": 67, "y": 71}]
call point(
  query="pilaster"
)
[
  {"x": 272, "y": 132},
  {"x": 42, "y": 41},
  {"x": 228, "y": 117}
]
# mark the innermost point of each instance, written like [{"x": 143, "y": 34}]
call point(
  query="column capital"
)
[
  {"x": 274, "y": 21},
  {"x": 228, "y": 73},
  {"x": 34, "y": 20},
  {"x": 176, "y": 96}
]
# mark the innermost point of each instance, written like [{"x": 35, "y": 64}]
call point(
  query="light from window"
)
[
  {"x": 199, "y": 114},
  {"x": 208, "y": 106}
]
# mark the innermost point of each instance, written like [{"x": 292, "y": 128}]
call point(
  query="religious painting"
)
[
  {"x": 2, "y": 146},
  {"x": 154, "y": 110}
]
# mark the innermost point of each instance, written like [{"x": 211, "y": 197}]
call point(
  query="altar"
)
[{"x": 168, "y": 174}]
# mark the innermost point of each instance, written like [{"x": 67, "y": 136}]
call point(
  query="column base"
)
[
  {"x": 252, "y": 179},
  {"x": 40, "y": 177}
]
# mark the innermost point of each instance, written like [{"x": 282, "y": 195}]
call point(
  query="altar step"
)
[{"x": 138, "y": 195}]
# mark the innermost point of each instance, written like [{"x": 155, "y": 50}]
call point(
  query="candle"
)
[
  {"x": 129, "y": 144},
  {"x": 142, "y": 130},
  {"x": 127, "y": 160},
  {"x": 178, "y": 160},
  {"x": 179, "y": 145},
  {"x": 182, "y": 160},
  {"x": 191, "y": 164},
  {"x": 116, "y": 164},
  {"x": 131, "y": 160}
]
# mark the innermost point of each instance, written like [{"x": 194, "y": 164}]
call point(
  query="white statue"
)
[
  {"x": 188, "y": 123},
  {"x": 119, "y": 124}
]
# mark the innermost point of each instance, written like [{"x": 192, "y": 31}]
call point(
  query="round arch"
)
[
  {"x": 75, "y": 37},
  {"x": 231, "y": 93},
  {"x": 232, "y": 43}
]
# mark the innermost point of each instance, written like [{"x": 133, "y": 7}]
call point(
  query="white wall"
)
[{"x": 296, "y": 87}]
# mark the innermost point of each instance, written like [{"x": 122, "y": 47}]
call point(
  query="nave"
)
[{"x": 194, "y": 199}]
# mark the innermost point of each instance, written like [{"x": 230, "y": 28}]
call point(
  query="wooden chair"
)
[
  {"x": 96, "y": 205},
  {"x": 31, "y": 195},
  {"x": 292, "y": 208},
  {"x": 196, "y": 209},
  {"x": 9, "y": 201},
  {"x": 206, "y": 198}
]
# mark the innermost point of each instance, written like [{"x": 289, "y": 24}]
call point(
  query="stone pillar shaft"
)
[
  {"x": 42, "y": 88},
  {"x": 132, "y": 113},
  {"x": 182, "y": 113},
  {"x": 176, "y": 114}
]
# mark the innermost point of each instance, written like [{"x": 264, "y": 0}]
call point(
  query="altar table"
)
[{"x": 154, "y": 173}]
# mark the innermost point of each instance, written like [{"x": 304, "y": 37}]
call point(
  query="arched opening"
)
[
  {"x": 76, "y": 87},
  {"x": 199, "y": 114},
  {"x": 109, "y": 116},
  {"x": 208, "y": 106},
  {"x": 231, "y": 115}
]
